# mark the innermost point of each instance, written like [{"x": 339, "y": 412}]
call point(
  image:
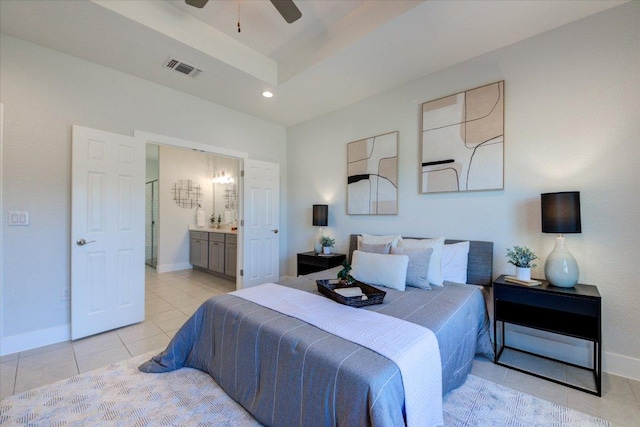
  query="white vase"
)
[
  {"x": 523, "y": 273},
  {"x": 326, "y": 250}
]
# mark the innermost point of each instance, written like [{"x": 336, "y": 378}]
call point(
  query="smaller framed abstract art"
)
[
  {"x": 462, "y": 145},
  {"x": 372, "y": 175}
]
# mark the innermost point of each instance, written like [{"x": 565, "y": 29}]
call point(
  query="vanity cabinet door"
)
[
  {"x": 231, "y": 259},
  {"x": 216, "y": 252},
  {"x": 199, "y": 249}
]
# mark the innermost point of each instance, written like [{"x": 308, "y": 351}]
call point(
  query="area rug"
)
[{"x": 120, "y": 395}]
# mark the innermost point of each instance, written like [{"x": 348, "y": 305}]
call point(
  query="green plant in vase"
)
[
  {"x": 522, "y": 257},
  {"x": 327, "y": 243}
]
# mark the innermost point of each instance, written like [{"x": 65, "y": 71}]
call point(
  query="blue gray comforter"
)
[{"x": 286, "y": 372}]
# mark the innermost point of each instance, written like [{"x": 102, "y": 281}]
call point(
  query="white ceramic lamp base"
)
[
  {"x": 317, "y": 246},
  {"x": 561, "y": 268}
]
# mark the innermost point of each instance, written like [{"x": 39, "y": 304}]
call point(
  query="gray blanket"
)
[
  {"x": 456, "y": 313},
  {"x": 286, "y": 372}
]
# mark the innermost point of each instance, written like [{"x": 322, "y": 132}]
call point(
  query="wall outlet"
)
[
  {"x": 19, "y": 218},
  {"x": 65, "y": 294}
]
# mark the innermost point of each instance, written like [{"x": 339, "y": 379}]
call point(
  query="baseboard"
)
[
  {"x": 623, "y": 366},
  {"x": 574, "y": 351},
  {"x": 35, "y": 339},
  {"x": 165, "y": 268}
]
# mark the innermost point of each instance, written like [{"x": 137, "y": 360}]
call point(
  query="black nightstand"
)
[
  {"x": 310, "y": 262},
  {"x": 574, "y": 312}
]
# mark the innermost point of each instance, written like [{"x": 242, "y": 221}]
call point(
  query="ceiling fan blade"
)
[
  {"x": 196, "y": 3},
  {"x": 288, "y": 10}
]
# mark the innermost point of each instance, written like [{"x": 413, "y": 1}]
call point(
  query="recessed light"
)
[{"x": 267, "y": 94}]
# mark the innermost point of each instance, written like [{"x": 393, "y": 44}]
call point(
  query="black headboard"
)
[{"x": 479, "y": 265}]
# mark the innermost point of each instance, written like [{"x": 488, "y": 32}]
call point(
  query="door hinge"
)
[
  {"x": 241, "y": 272},
  {"x": 242, "y": 174},
  {"x": 242, "y": 223}
]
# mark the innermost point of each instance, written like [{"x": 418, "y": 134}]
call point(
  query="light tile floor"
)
[
  {"x": 169, "y": 300},
  {"x": 619, "y": 404},
  {"x": 172, "y": 297}
]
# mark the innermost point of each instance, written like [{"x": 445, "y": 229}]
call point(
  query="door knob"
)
[
  {"x": 83, "y": 242},
  {"x": 275, "y": 231}
]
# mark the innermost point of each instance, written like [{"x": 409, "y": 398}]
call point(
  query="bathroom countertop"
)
[{"x": 213, "y": 230}]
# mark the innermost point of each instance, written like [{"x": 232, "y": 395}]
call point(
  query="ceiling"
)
[{"x": 338, "y": 53}]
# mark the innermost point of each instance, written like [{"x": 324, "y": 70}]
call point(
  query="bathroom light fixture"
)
[
  {"x": 221, "y": 178},
  {"x": 267, "y": 94},
  {"x": 561, "y": 214}
]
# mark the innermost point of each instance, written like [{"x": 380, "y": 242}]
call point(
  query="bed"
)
[{"x": 285, "y": 371}]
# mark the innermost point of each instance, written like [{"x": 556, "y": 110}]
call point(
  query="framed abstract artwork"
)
[
  {"x": 372, "y": 175},
  {"x": 462, "y": 146}
]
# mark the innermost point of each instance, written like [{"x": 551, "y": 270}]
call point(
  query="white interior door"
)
[
  {"x": 107, "y": 231},
  {"x": 261, "y": 239}
]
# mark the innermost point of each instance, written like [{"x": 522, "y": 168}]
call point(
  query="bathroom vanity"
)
[{"x": 214, "y": 250}]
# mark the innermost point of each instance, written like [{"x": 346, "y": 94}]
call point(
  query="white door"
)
[
  {"x": 261, "y": 238},
  {"x": 107, "y": 231}
]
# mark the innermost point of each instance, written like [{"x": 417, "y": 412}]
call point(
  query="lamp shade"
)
[
  {"x": 320, "y": 215},
  {"x": 561, "y": 212}
]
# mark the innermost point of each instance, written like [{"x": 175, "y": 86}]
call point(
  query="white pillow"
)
[
  {"x": 454, "y": 262},
  {"x": 378, "y": 240},
  {"x": 435, "y": 267},
  {"x": 380, "y": 269}
]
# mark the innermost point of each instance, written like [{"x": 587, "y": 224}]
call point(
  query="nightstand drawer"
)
[
  {"x": 316, "y": 261},
  {"x": 310, "y": 262},
  {"x": 556, "y": 321},
  {"x": 535, "y": 298}
]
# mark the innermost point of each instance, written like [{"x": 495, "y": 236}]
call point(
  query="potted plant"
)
[
  {"x": 327, "y": 243},
  {"x": 522, "y": 257},
  {"x": 219, "y": 220},
  {"x": 212, "y": 220},
  {"x": 345, "y": 278}
]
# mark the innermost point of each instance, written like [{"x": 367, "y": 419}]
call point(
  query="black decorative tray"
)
[{"x": 374, "y": 295}]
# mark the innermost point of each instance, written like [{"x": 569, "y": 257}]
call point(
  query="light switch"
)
[{"x": 18, "y": 218}]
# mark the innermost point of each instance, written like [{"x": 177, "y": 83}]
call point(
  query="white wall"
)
[
  {"x": 44, "y": 93},
  {"x": 175, "y": 165},
  {"x": 572, "y": 123}
]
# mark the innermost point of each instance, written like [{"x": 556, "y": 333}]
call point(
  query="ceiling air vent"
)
[{"x": 181, "y": 67}]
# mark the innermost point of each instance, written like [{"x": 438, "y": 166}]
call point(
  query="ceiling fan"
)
[{"x": 287, "y": 8}]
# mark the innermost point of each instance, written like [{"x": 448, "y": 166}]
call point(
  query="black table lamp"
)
[
  {"x": 320, "y": 219},
  {"x": 561, "y": 215}
]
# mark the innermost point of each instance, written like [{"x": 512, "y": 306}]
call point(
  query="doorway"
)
[
  {"x": 252, "y": 200},
  {"x": 185, "y": 190}
]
